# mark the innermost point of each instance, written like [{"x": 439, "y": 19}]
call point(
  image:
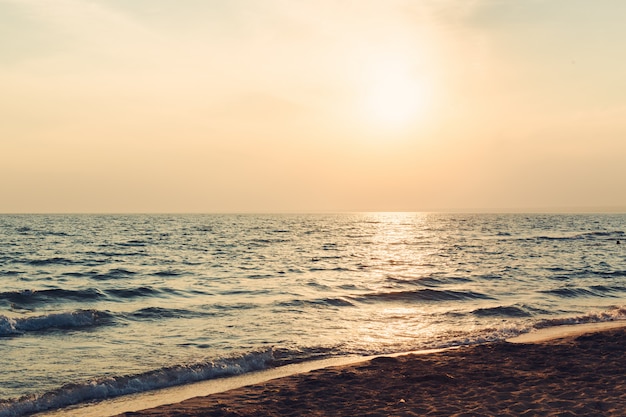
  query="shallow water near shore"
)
[{"x": 93, "y": 307}]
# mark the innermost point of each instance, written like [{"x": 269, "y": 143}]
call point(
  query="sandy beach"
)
[{"x": 579, "y": 375}]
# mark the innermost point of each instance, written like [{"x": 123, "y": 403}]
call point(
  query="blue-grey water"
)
[{"x": 94, "y": 306}]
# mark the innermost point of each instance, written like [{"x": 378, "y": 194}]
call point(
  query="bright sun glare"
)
[{"x": 392, "y": 97}]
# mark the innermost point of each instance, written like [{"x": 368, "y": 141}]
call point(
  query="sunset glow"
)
[
  {"x": 149, "y": 106},
  {"x": 393, "y": 98}
]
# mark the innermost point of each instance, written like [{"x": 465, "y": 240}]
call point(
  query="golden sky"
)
[{"x": 312, "y": 105}]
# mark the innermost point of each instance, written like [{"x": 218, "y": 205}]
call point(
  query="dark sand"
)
[{"x": 581, "y": 375}]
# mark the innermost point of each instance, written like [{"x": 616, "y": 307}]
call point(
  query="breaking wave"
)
[
  {"x": 128, "y": 384},
  {"x": 70, "y": 320}
]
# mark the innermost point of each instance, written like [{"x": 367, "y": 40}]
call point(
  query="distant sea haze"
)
[{"x": 96, "y": 306}]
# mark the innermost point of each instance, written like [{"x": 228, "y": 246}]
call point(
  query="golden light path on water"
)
[
  {"x": 395, "y": 249},
  {"x": 172, "y": 299}
]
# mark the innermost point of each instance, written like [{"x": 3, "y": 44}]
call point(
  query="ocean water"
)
[{"x": 96, "y": 306}]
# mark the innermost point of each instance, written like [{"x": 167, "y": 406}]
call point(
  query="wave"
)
[
  {"x": 51, "y": 261},
  {"x": 322, "y": 302},
  {"x": 260, "y": 276},
  {"x": 134, "y": 243},
  {"x": 587, "y": 235},
  {"x": 602, "y": 235},
  {"x": 258, "y": 242},
  {"x": 115, "y": 273},
  {"x": 489, "y": 335},
  {"x": 126, "y": 293},
  {"x": 562, "y": 274},
  {"x": 502, "y": 311},
  {"x": 613, "y": 314},
  {"x": 422, "y": 295},
  {"x": 169, "y": 273},
  {"x": 335, "y": 269},
  {"x": 606, "y": 289},
  {"x": 429, "y": 281},
  {"x": 112, "y": 254},
  {"x": 512, "y": 311},
  {"x": 570, "y": 292},
  {"x": 57, "y": 295},
  {"x": 285, "y": 356},
  {"x": 612, "y": 274},
  {"x": 151, "y": 313},
  {"x": 509, "y": 329},
  {"x": 593, "y": 291},
  {"x": 27, "y": 230},
  {"x": 512, "y": 329},
  {"x": 27, "y": 297},
  {"x": 128, "y": 384},
  {"x": 70, "y": 320}
]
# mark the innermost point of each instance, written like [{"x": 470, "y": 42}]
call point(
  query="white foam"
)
[
  {"x": 117, "y": 386},
  {"x": 549, "y": 333},
  {"x": 144, "y": 400},
  {"x": 615, "y": 313}
]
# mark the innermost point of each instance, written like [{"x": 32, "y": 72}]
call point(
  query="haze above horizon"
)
[{"x": 157, "y": 106}]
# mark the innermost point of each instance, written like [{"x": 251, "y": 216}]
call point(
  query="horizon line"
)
[{"x": 528, "y": 210}]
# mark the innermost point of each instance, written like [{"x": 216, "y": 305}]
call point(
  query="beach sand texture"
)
[{"x": 582, "y": 375}]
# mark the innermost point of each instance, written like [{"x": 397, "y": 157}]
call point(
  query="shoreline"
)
[
  {"x": 189, "y": 399},
  {"x": 566, "y": 330}
]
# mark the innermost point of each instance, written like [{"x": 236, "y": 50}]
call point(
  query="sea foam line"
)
[
  {"x": 121, "y": 385},
  {"x": 612, "y": 314}
]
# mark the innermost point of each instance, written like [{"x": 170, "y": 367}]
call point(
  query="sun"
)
[
  {"x": 393, "y": 102},
  {"x": 392, "y": 97}
]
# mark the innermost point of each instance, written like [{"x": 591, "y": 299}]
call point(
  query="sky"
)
[{"x": 141, "y": 106}]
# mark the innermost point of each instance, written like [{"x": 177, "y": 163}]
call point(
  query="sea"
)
[{"x": 98, "y": 306}]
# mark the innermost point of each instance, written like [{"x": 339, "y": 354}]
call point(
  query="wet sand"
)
[{"x": 580, "y": 375}]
